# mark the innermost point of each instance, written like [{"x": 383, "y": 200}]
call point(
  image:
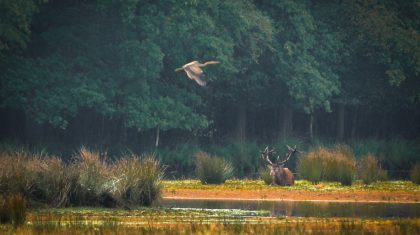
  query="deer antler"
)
[
  {"x": 265, "y": 155},
  {"x": 290, "y": 153}
]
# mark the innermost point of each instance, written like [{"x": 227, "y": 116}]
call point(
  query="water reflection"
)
[{"x": 307, "y": 208}]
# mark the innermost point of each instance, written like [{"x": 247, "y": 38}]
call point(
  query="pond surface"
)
[{"x": 307, "y": 208}]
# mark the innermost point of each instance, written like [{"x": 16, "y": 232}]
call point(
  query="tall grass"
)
[
  {"x": 12, "y": 209},
  {"x": 212, "y": 169},
  {"x": 369, "y": 170},
  {"x": 324, "y": 164},
  {"x": 88, "y": 180},
  {"x": 137, "y": 179}
]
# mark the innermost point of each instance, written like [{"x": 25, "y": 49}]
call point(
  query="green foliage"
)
[
  {"x": 415, "y": 174},
  {"x": 12, "y": 209},
  {"x": 212, "y": 169},
  {"x": 243, "y": 155},
  {"x": 370, "y": 170},
  {"x": 15, "y": 21},
  {"x": 395, "y": 154},
  {"x": 179, "y": 160},
  {"x": 102, "y": 73},
  {"x": 327, "y": 165}
]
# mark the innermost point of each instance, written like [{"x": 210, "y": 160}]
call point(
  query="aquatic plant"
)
[{"x": 197, "y": 221}]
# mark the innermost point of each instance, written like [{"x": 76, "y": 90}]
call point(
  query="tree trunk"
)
[
  {"x": 311, "y": 124},
  {"x": 157, "y": 137},
  {"x": 354, "y": 123},
  {"x": 287, "y": 122},
  {"x": 241, "y": 124},
  {"x": 340, "y": 122}
]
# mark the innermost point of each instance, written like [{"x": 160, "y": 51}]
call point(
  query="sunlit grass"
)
[{"x": 240, "y": 184}]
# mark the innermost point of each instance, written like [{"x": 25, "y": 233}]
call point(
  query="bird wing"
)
[
  {"x": 196, "y": 74},
  {"x": 211, "y": 62}
]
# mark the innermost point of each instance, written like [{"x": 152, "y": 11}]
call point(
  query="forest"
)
[{"x": 100, "y": 73}]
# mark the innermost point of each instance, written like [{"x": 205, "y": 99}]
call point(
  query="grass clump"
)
[
  {"x": 90, "y": 176},
  {"x": 212, "y": 169},
  {"x": 265, "y": 175},
  {"x": 325, "y": 164},
  {"x": 12, "y": 209},
  {"x": 89, "y": 180},
  {"x": 370, "y": 171},
  {"x": 415, "y": 174},
  {"x": 138, "y": 180}
]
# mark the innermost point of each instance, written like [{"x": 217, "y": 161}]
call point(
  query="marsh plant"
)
[
  {"x": 415, "y": 174},
  {"x": 370, "y": 170},
  {"x": 325, "y": 164},
  {"x": 91, "y": 175},
  {"x": 137, "y": 180},
  {"x": 212, "y": 169},
  {"x": 88, "y": 180},
  {"x": 12, "y": 209}
]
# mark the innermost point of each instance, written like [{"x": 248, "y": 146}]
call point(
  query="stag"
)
[{"x": 280, "y": 174}]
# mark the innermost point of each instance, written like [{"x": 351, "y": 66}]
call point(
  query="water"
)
[{"x": 307, "y": 208}]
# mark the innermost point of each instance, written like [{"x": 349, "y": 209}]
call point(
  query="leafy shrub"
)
[
  {"x": 415, "y": 174},
  {"x": 324, "y": 164},
  {"x": 179, "y": 159},
  {"x": 370, "y": 170},
  {"x": 212, "y": 169},
  {"x": 245, "y": 156},
  {"x": 137, "y": 180},
  {"x": 12, "y": 209},
  {"x": 265, "y": 175}
]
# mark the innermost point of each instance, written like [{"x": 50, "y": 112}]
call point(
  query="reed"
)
[
  {"x": 137, "y": 180},
  {"x": 370, "y": 170},
  {"x": 12, "y": 209}
]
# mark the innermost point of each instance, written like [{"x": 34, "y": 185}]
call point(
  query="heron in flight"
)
[{"x": 194, "y": 71}]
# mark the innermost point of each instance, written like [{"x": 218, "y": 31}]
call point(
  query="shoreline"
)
[
  {"x": 286, "y": 200},
  {"x": 296, "y": 195}
]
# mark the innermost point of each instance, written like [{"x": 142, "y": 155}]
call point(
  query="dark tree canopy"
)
[{"x": 102, "y": 71}]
